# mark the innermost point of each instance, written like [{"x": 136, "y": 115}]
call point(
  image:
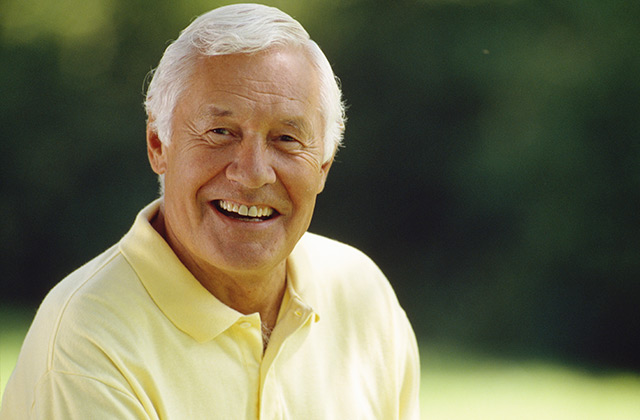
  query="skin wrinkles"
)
[
  {"x": 214, "y": 116},
  {"x": 229, "y": 143},
  {"x": 222, "y": 118},
  {"x": 303, "y": 129}
]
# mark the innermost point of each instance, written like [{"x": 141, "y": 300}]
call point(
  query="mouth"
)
[{"x": 243, "y": 212}]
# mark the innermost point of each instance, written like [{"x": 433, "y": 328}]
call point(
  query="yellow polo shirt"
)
[{"x": 133, "y": 335}]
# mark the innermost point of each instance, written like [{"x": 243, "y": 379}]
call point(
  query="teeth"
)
[{"x": 243, "y": 210}]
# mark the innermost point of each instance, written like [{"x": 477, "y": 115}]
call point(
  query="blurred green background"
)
[{"x": 491, "y": 167}]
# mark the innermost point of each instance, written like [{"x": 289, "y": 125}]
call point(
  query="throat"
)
[{"x": 266, "y": 335}]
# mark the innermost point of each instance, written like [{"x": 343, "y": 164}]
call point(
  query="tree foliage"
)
[{"x": 491, "y": 167}]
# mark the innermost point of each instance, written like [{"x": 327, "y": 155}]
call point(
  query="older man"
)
[{"x": 217, "y": 303}]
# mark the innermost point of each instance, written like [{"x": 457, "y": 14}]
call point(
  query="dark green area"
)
[{"x": 491, "y": 167}]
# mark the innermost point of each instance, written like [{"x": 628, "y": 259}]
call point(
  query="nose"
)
[{"x": 251, "y": 166}]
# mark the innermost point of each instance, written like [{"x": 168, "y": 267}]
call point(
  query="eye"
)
[
  {"x": 221, "y": 131},
  {"x": 290, "y": 143},
  {"x": 287, "y": 138}
]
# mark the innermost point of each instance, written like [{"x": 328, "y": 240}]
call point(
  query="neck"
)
[{"x": 247, "y": 293}]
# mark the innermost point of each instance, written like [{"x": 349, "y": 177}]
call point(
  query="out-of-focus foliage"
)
[{"x": 491, "y": 167}]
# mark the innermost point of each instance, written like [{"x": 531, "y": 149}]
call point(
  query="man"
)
[{"x": 217, "y": 303}]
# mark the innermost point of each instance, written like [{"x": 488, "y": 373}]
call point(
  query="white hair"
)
[{"x": 235, "y": 29}]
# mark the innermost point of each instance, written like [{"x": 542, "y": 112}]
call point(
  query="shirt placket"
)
[{"x": 289, "y": 331}]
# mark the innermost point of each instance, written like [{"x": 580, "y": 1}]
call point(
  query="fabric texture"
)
[{"x": 133, "y": 335}]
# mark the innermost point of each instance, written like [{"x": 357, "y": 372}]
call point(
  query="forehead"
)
[{"x": 276, "y": 80}]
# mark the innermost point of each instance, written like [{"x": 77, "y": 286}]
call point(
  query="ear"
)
[
  {"x": 156, "y": 151},
  {"x": 325, "y": 172}
]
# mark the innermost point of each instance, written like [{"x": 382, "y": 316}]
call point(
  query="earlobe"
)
[{"x": 156, "y": 151}]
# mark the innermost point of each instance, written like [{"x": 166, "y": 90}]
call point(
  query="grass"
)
[
  {"x": 14, "y": 322},
  {"x": 458, "y": 385},
  {"x": 462, "y": 386}
]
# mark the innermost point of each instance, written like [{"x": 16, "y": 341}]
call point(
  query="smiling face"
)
[{"x": 244, "y": 165}]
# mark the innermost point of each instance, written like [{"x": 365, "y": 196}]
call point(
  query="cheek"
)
[
  {"x": 307, "y": 186},
  {"x": 191, "y": 170}
]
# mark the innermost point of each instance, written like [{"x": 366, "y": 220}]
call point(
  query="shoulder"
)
[
  {"x": 333, "y": 255},
  {"x": 352, "y": 295},
  {"x": 342, "y": 274},
  {"x": 83, "y": 310},
  {"x": 74, "y": 286},
  {"x": 83, "y": 276},
  {"x": 106, "y": 275},
  {"x": 72, "y": 314}
]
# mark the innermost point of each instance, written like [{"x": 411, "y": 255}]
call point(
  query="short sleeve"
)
[{"x": 72, "y": 396}]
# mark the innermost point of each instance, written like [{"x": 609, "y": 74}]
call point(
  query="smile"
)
[{"x": 243, "y": 212}]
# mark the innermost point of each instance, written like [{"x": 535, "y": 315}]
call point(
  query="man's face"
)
[{"x": 244, "y": 165}]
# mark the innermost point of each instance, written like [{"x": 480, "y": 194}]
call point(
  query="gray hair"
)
[{"x": 234, "y": 29}]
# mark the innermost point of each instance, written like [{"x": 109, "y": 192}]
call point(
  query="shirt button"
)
[
  {"x": 298, "y": 313},
  {"x": 245, "y": 325}
]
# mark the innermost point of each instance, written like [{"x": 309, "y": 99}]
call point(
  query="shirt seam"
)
[
  {"x": 61, "y": 372},
  {"x": 65, "y": 306}
]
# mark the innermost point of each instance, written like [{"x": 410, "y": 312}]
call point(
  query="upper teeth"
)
[{"x": 242, "y": 210}]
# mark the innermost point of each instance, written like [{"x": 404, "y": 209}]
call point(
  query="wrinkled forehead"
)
[
  {"x": 283, "y": 78},
  {"x": 288, "y": 67}
]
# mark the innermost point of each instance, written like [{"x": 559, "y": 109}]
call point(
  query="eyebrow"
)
[
  {"x": 214, "y": 111},
  {"x": 298, "y": 123}
]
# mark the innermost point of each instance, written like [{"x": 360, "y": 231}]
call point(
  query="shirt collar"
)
[
  {"x": 301, "y": 279},
  {"x": 179, "y": 295}
]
